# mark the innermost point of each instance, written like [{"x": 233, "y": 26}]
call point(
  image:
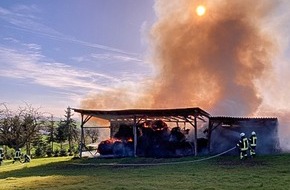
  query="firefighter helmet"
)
[
  {"x": 242, "y": 134},
  {"x": 253, "y": 133}
]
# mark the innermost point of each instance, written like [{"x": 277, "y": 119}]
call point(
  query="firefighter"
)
[
  {"x": 1, "y": 155},
  {"x": 243, "y": 146},
  {"x": 17, "y": 155},
  {"x": 253, "y": 144},
  {"x": 26, "y": 158}
]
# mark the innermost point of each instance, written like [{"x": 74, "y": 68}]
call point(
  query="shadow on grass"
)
[
  {"x": 86, "y": 167},
  {"x": 72, "y": 167},
  {"x": 40, "y": 170}
]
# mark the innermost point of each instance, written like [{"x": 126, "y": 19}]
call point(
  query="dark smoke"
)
[{"x": 211, "y": 61}]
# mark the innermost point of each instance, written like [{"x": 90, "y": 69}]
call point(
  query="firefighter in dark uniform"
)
[
  {"x": 243, "y": 146},
  {"x": 17, "y": 155},
  {"x": 253, "y": 144},
  {"x": 26, "y": 158},
  {"x": 1, "y": 155}
]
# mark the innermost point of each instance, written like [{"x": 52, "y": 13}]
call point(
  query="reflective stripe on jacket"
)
[
  {"x": 17, "y": 154},
  {"x": 253, "y": 140},
  {"x": 244, "y": 144}
]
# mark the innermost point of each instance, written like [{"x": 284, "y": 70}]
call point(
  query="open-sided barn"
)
[
  {"x": 224, "y": 131},
  {"x": 176, "y": 132}
]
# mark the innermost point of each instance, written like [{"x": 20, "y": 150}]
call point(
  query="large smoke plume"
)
[
  {"x": 212, "y": 61},
  {"x": 217, "y": 61}
]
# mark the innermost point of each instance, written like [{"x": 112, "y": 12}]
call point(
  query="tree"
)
[
  {"x": 67, "y": 130},
  {"x": 72, "y": 129},
  {"x": 93, "y": 134},
  {"x": 61, "y": 133},
  {"x": 51, "y": 130},
  {"x": 19, "y": 128},
  {"x": 40, "y": 146}
]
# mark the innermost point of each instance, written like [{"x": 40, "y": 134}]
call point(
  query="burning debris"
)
[{"x": 154, "y": 139}]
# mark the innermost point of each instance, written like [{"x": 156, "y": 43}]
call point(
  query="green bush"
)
[
  {"x": 38, "y": 152},
  {"x": 56, "y": 153},
  {"x": 49, "y": 152},
  {"x": 8, "y": 155},
  {"x": 63, "y": 152},
  {"x": 40, "y": 146},
  {"x": 72, "y": 151},
  {"x": 76, "y": 152}
]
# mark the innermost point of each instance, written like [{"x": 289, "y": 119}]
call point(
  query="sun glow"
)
[{"x": 200, "y": 10}]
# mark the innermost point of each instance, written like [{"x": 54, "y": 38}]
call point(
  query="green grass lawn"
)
[{"x": 225, "y": 172}]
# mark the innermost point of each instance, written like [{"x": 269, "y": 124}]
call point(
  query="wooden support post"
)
[
  {"x": 111, "y": 130},
  {"x": 210, "y": 124},
  {"x": 195, "y": 136},
  {"x": 195, "y": 132},
  {"x": 135, "y": 136},
  {"x": 82, "y": 136},
  {"x": 82, "y": 143}
]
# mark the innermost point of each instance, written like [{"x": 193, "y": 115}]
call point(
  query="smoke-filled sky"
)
[
  {"x": 220, "y": 60},
  {"x": 233, "y": 60}
]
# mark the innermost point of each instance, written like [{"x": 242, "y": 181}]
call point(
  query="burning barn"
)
[{"x": 176, "y": 132}]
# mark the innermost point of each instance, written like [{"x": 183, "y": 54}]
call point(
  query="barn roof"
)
[
  {"x": 227, "y": 120},
  {"x": 174, "y": 114},
  {"x": 240, "y": 118},
  {"x": 233, "y": 119}
]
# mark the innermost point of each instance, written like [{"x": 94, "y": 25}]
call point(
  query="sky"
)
[
  {"x": 108, "y": 54},
  {"x": 53, "y": 53}
]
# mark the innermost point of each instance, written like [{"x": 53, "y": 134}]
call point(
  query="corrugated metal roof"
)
[
  {"x": 240, "y": 118},
  {"x": 226, "y": 120}
]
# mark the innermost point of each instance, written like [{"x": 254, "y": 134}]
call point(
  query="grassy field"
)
[{"x": 225, "y": 172}]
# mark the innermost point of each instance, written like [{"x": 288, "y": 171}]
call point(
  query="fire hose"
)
[{"x": 159, "y": 164}]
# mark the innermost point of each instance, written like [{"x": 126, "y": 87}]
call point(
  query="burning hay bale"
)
[
  {"x": 155, "y": 139},
  {"x": 121, "y": 145},
  {"x": 106, "y": 147},
  {"x": 116, "y": 147}
]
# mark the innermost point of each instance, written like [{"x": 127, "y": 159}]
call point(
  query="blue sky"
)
[{"x": 53, "y": 53}]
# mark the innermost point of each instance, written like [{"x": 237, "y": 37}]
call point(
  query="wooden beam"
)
[
  {"x": 195, "y": 133},
  {"x": 100, "y": 127},
  {"x": 84, "y": 120},
  {"x": 135, "y": 136},
  {"x": 195, "y": 137}
]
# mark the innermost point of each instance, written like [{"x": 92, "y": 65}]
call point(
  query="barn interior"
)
[
  {"x": 223, "y": 131},
  {"x": 175, "y": 132}
]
